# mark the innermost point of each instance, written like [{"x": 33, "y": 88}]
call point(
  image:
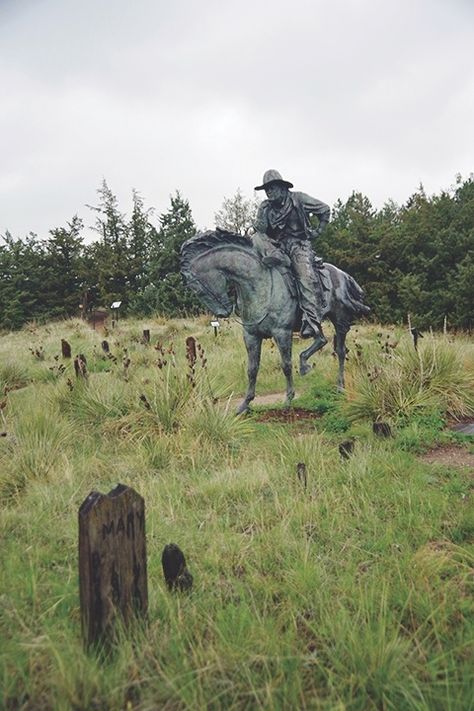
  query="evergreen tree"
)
[
  {"x": 62, "y": 262},
  {"x": 166, "y": 294},
  {"x": 142, "y": 237},
  {"x": 22, "y": 280},
  {"x": 111, "y": 250}
]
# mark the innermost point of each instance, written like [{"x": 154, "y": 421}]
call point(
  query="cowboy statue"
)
[{"x": 283, "y": 238}]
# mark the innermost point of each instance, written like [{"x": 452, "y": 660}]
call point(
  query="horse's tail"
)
[
  {"x": 348, "y": 293},
  {"x": 356, "y": 297}
]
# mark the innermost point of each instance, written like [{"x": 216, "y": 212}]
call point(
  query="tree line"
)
[{"x": 416, "y": 258}]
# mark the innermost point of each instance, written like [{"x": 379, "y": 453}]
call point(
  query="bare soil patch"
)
[
  {"x": 450, "y": 455},
  {"x": 289, "y": 415},
  {"x": 270, "y": 399}
]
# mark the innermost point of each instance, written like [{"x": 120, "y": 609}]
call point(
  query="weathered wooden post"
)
[
  {"x": 80, "y": 366},
  {"x": 65, "y": 348},
  {"x": 176, "y": 573},
  {"x": 302, "y": 474},
  {"x": 146, "y": 335},
  {"x": 346, "y": 448},
  {"x": 112, "y": 562},
  {"x": 381, "y": 429}
]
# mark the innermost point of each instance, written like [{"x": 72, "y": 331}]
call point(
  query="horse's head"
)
[{"x": 203, "y": 274}]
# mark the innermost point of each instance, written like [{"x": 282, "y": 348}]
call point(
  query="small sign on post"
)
[
  {"x": 112, "y": 562},
  {"x": 215, "y": 325},
  {"x": 115, "y": 312}
]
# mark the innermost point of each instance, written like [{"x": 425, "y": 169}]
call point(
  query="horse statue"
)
[{"x": 214, "y": 263}]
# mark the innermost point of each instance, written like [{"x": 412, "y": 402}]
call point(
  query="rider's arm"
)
[{"x": 312, "y": 206}]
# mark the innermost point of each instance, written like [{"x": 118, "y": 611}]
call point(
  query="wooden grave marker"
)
[
  {"x": 112, "y": 562},
  {"x": 65, "y": 348}
]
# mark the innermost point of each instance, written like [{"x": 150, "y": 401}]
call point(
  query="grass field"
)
[{"x": 355, "y": 593}]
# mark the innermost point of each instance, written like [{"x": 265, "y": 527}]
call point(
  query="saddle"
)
[{"x": 280, "y": 262}]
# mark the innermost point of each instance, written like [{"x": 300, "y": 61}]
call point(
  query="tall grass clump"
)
[
  {"x": 218, "y": 424},
  {"x": 12, "y": 376},
  {"x": 166, "y": 398},
  {"x": 403, "y": 385},
  {"x": 36, "y": 445},
  {"x": 92, "y": 401}
]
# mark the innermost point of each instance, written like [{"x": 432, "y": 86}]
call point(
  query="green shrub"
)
[{"x": 408, "y": 384}]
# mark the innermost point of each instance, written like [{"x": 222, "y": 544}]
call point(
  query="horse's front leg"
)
[
  {"x": 284, "y": 343},
  {"x": 254, "y": 349}
]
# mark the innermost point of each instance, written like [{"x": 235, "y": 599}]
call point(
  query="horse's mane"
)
[{"x": 203, "y": 241}]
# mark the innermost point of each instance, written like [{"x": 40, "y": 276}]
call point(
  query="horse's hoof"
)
[{"x": 304, "y": 368}]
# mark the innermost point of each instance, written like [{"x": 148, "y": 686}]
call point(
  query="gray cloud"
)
[{"x": 204, "y": 97}]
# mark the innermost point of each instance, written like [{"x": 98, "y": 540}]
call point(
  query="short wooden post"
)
[
  {"x": 112, "y": 562},
  {"x": 65, "y": 348},
  {"x": 80, "y": 366},
  {"x": 346, "y": 448},
  {"x": 302, "y": 474},
  {"x": 146, "y": 335},
  {"x": 176, "y": 573},
  {"x": 381, "y": 429}
]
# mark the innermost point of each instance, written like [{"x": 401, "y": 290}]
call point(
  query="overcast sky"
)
[{"x": 371, "y": 95}]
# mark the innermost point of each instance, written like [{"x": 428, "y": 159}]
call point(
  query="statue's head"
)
[
  {"x": 204, "y": 276},
  {"x": 275, "y": 187}
]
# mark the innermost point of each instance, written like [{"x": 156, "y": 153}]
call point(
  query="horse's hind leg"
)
[
  {"x": 283, "y": 341},
  {"x": 316, "y": 345},
  {"x": 254, "y": 349},
  {"x": 342, "y": 329}
]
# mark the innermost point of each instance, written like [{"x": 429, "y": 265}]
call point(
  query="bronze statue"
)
[
  {"x": 217, "y": 265},
  {"x": 284, "y": 237}
]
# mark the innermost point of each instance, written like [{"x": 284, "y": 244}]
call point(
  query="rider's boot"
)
[{"x": 314, "y": 330}]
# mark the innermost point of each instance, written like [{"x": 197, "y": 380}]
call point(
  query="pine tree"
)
[
  {"x": 62, "y": 261},
  {"x": 166, "y": 294},
  {"x": 142, "y": 238},
  {"x": 111, "y": 251}
]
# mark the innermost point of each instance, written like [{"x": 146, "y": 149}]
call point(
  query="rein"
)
[
  {"x": 214, "y": 296},
  {"x": 257, "y": 323}
]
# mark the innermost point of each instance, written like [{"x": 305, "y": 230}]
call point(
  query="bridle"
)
[{"x": 191, "y": 277}]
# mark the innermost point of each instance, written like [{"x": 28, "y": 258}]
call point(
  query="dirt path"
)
[
  {"x": 450, "y": 455},
  {"x": 268, "y": 399}
]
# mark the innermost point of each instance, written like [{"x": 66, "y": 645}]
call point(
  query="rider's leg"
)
[
  {"x": 309, "y": 287},
  {"x": 269, "y": 251}
]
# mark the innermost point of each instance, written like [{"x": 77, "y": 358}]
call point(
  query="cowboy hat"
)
[{"x": 273, "y": 176}]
